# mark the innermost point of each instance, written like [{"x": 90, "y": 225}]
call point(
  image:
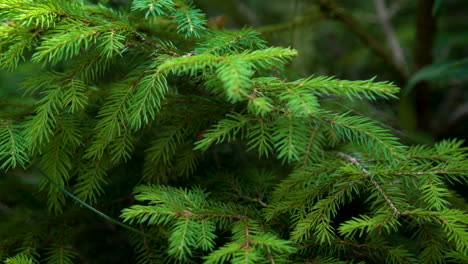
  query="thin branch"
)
[
  {"x": 240, "y": 195},
  {"x": 3, "y": 207},
  {"x": 384, "y": 195},
  {"x": 458, "y": 114},
  {"x": 336, "y": 12},
  {"x": 355, "y": 161},
  {"x": 419, "y": 173},
  {"x": 248, "y": 12},
  {"x": 146, "y": 246},
  {"x": 383, "y": 15},
  {"x": 172, "y": 51},
  {"x": 309, "y": 145},
  {"x": 248, "y": 243},
  {"x": 253, "y": 200}
]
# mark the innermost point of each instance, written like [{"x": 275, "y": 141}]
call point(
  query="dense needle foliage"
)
[{"x": 191, "y": 145}]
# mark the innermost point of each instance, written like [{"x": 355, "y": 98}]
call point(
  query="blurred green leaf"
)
[{"x": 439, "y": 72}]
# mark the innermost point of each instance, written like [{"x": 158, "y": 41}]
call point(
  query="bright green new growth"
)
[{"x": 185, "y": 107}]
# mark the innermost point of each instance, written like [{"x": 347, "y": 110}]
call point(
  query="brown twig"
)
[
  {"x": 240, "y": 195},
  {"x": 3, "y": 207},
  {"x": 334, "y": 11},
  {"x": 355, "y": 161},
  {"x": 383, "y": 15}
]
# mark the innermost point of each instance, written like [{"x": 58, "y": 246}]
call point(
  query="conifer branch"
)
[
  {"x": 110, "y": 219},
  {"x": 240, "y": 195},
  {"x": 355, "y": 161},
  {"x": 153, "y": 83},
  {"x": 13, "y": 146},
  {"x": 384, "y": 195}
]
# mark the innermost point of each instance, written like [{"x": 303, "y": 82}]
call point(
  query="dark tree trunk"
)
[{"x": 425, "y": 33}]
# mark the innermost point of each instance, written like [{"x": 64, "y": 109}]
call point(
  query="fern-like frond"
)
[
  {"x": 267, "y": 58},
  {"x": 317, "y": 224},
  {"x": 74, "y": 97},
  {"x": 57, "y": 162},
  {"x": 235, "y": 74},
  {"x": 60, "y": 254},
  {"x": 224, "y": 41},
  {"x": 19, "y": 259},
  {"x": 161, "y": 153},
  {"x": 122, "y": 146},
  {"x": 41, "y": 126},
  {"x": 366, "y": 133},
  {"x": 154, "y": 7},
  {"x": 111, "y": 43},
  {"x": 186, "y": 160},
  {"x": 191, "y": 21},
  {"x": 366, "y": 224},
  {"x": 259, "y": 105},
  {"x": 452, "y": 221},
  {"x": 63, "y": 43},
  {"x": 368, "y": 89},
  {"x": 113, "y": 116},
  {"x": 146, "y": 101},
  {"x": 301, "y": 102},
  {"x": 14, "y": 41},
  {"x": 189, "y": 64},
  {"x": 290, "y": 137},
  {"x": 225, "y": 131},
  {"x": 260, "y": 133},
  {"x": 43, "y": 14},
  {"x": 13, "y": 147},
  {"x": 91, "y": 178}
]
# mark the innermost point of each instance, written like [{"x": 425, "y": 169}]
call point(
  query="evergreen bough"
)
[{"x": 228, "y": 163}]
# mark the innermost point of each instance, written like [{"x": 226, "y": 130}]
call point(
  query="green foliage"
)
[
  {"x": 60, "y": 254},
  {"x": 12, "y": 146},
  {"x": 224, "y": 41},
  {"x": 190, "y": 21},
  {"x": 194, "y": 218},
  {"x": 227, "y": 163},
  {"x": 19, "y": 259}
]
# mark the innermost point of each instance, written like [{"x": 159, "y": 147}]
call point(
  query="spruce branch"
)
[
  {"x": 224, "y": 41},
  {"x": 13, "y": 148},
  {"x": 155, "y": 83},
  {"x": 361, "y": 130},
  {"x": 355, "y": 161},
  {"x": 110, "y": 219},
  {"x": 321, "y": 85},
  {"x": 90, "y": 181},
  {"x": 240, "y": 195},
  {"x": 19, "y": 259}
]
